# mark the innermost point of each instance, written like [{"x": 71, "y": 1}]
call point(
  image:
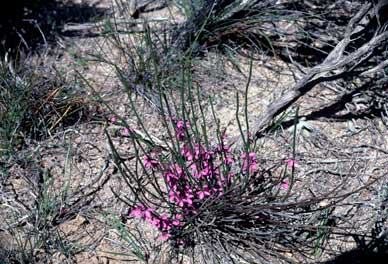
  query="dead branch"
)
[
  {"x": 147, "y": 7},
  {"x": 118, "y": 23},
  {"x": 337, "y": 64}
]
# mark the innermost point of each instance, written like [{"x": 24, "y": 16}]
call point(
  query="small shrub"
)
[{"x": 209, "y": 198}]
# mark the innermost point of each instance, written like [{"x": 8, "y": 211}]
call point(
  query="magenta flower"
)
[
  {"x": 181, "y": 127},
  {"x": 164, "y": 237},
  {"x": 187, "y": 153},
  {"x": 178, "y": 216},
  {"x": 207, "y": 155},
  {"x": 180, "y": 124},
  {"x": 177, "y": 170},
  {"x": 251, "y": 160},
  {"x": 285, "y": 185},
  {"x": 188, "y": 201},
  {"x": 202, "y": 194},
  {"x": 194, "y": 170},
  {"x": 197, "y": 151},
  {"x": 147, "y": 214},
  {"x": 136, "y": 212},
  {"x": 176, "y": 222},
  {"x": 155, "y": 222},
  {"x": 223, "y": 149},
  {"x": 125, "y": 131},
  {"x": 228, "y": 160},
  {"x": 291, "y": 162},
  {"x": 186, "y": 195},
  {"x": 150, "y": 162},
  {"x": 205, "y": 172},
  {"x": 113, "y": 119}
]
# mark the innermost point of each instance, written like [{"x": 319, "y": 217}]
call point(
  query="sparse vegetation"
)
[
  {"x": 36, "y": 100},
  {"x": 194, "y": 131}
]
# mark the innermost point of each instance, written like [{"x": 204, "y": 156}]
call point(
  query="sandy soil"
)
[{"x": 329, "y": 151}]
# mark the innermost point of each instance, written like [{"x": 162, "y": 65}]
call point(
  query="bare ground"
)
[{"x": 330, "y": 151}]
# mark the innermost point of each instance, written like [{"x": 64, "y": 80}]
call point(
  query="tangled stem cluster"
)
[{"x": 194, "y": 174}]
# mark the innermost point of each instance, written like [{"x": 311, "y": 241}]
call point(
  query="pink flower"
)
[
  {"x": 204, "y": 192},
  {"x": 223, "y": 149},
  {"x": 197, "y": 151},
  {"x": 189, "y": 195},
  {"x": 125, "y": 131},
  {"x": 205, "y": 172},
  {"x": 150, "y": 162},
  {"x": 178, "y": 216},
  {"x": 137, "y": 212},
  {"x": 180, "y": 136},
  {"x": 113, "y": 119},
  {"x": 169, "y": 176},
  {"x": 179, "y": 201},
  {"x": 147, "y": 214},
  {"x": 253, "y": 167},
  {"x": 188, "y": 201},
  {"x": 251, "y": 160},
  {"x": 201, "y": 195},
  {"x": 187, "y": 153},
  {"x": 285, "y": 185},
  {"x": 180, "y": 124},
  {"x": 177, "y": 170},
  {"x": 207, "y": 155},
  {"x": 164, "y": 237},
  {"x": 155, "y": 222},
  {"x": 181, "y": 127},
  {"x": 228, "y": 160},
  {"x": 177, "y": 221},
  {"x": 291, "y": 162},
  {"x": 194, "y": 170}
]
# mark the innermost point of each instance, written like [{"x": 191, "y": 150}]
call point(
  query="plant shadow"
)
[
  {"x": 27, "y": 25},
  {"x": 375, "y": 251}
]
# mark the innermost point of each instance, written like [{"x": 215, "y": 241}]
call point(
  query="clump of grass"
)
[
  {"x": 150, "y": 61},
  {"x": 37, "y": 210},
  {"x": 33, "y": 225},
  {"x": 295, "y": 31},
  {"x": 35, "y": 103}
]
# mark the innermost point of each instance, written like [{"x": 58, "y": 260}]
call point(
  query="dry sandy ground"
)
[{"x": 329, "y": 151}]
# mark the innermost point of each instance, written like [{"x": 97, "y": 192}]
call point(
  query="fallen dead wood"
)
[
  {"x": 147, "y": 7},
  {"x": 119, "y": 24},
  {"x": 338, "y": 63}
]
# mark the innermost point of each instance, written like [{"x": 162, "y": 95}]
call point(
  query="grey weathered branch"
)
[
  {"x": 119, "y": 23},
  {"x": 333, "y": 67}
]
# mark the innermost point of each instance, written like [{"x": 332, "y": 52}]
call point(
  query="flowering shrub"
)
[
  {"x": 194, "y": 174},
  {"x": 208, "y": 197}
]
